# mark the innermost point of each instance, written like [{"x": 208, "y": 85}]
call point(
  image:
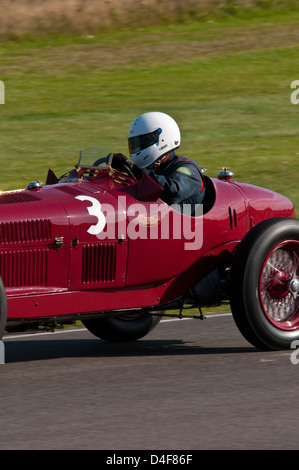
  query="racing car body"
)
[{"x": 101, "y": 246}]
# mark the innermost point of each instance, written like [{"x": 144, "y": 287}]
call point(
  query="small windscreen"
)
[{"x": 94, "y": 157}]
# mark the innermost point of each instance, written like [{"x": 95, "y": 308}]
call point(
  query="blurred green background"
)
[{"x": 223, "y": 72}]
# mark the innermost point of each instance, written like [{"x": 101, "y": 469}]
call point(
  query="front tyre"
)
[
  {"x": 127, "y": 327},
  {"x": 265, "y": 284}
]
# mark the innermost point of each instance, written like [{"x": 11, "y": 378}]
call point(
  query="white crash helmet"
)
[{"x": 151, "y": 136}]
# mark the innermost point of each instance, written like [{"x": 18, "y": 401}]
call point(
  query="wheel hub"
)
[
  {"x": 278, "y": 285},
  {"x": 294, "y": 285}
]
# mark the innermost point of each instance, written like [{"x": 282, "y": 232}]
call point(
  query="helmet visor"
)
[{"x": 141, "y": 142}]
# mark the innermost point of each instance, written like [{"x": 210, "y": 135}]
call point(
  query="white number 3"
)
[{"x": 96, "y": 210}]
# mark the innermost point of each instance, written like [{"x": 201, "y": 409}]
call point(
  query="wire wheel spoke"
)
[{"x": 279, "y": 284}]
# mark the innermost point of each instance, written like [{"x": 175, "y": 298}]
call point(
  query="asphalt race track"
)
[{"x": 190, "y": 384}]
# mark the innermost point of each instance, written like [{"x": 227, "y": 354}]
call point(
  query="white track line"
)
[
  {"x": 76, "y": 330},
  {"x": 71, "y": 330}
]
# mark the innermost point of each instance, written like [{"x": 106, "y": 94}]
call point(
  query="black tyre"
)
[
  {"x": 127, "y": 327},
  {"x": 265, "y": 284},
  {"x": 3, "y": 309}
]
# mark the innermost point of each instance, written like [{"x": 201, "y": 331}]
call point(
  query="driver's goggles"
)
[{"x": 141, "y": 142}]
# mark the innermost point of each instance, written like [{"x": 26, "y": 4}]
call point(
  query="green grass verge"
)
[{"x": 226, "y": 82}]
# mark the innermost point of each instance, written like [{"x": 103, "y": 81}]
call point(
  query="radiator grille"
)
[
  {"x": 25, "y": 231},
  {"x": 24, "y": 267},
  {"x": 98, "y": 263}
]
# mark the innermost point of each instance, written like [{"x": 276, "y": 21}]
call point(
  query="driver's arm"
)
[{"x": 179, "y": 185}]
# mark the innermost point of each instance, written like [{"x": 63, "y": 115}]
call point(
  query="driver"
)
[{"x": 153, "y": 139}]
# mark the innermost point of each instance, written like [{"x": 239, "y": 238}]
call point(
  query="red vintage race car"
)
[{"x": 100, "y": 246}]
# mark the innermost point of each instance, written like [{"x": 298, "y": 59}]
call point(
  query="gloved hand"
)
[
  {"x": 121, "y": 163},
  {"x": 119, "y": 160}
]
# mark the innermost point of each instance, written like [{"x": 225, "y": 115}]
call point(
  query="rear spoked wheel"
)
[{"x": 265, "y": 289}]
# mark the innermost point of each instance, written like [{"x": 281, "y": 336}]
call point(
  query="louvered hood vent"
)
[
  {"x": 17, "y": 197},
  {"x": 24, "y": 267},
  {"x": 98, "y": 263},
  {"x": 23, "y": 231},
  {"x": 73, "y": 191}
]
